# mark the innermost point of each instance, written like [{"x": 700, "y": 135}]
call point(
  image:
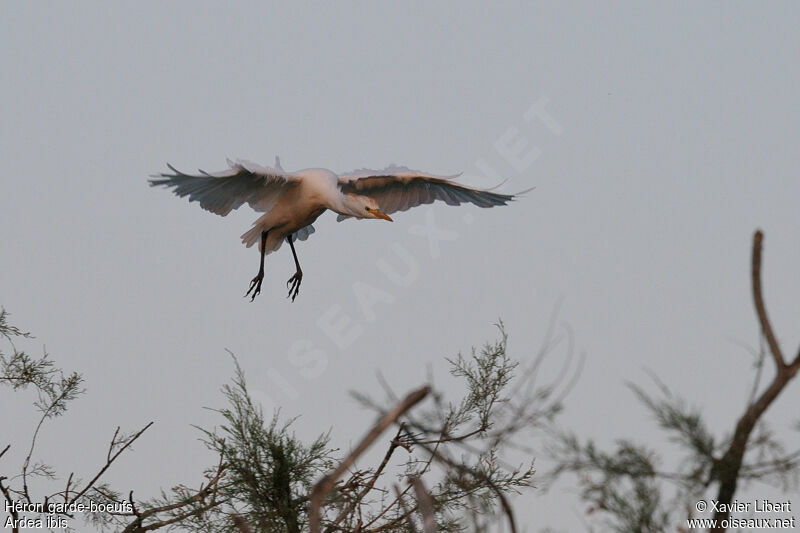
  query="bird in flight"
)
[{"x": 292, "y": 201}]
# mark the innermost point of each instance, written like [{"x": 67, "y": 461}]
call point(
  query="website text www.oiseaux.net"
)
[{"x": 757, "y": 515}]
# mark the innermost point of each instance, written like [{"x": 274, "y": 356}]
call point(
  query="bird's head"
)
[{"x": 370, "y": 209}]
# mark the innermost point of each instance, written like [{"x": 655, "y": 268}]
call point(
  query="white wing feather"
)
[{"x": 221, "y": 192}]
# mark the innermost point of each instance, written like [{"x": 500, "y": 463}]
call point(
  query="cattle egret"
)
[{"x": 292, "y": 201}]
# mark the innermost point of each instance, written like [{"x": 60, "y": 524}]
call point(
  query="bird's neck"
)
[{"x": 349, "y": 205}]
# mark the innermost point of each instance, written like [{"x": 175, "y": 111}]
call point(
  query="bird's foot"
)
[
  {"x": 294, "y": 281},
  {"x": 255, "y": 286}
]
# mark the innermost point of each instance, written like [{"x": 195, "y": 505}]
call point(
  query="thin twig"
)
[
  {"x": 45, "y": 415},
  {"x": 402, "y": 505},
  {"x": 483, "y": 477},
  {"x": 324, "y": 485},
  {"x": 371, "y": 483},
  {"x": 9, "y": 503},
  {"x": 110, "y": 460},
  {"x": 137, "y": 526},
  {"x": 427, "y": 465},
  {"x": 111, "y": 446},
  {"x": 759, "y": 370}
]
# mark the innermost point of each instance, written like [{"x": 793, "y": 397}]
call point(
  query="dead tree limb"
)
[
  {"x": 727, "y": 469},
  {"x": 324, "y": 485}
]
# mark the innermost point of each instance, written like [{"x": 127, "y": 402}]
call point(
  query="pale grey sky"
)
[{"x": 669, "y": 135}]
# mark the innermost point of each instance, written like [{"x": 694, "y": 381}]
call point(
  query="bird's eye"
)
[{"x": 366, "y": 208}]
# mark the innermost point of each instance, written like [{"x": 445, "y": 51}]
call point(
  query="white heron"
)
[{"x": 292, "y": 201}]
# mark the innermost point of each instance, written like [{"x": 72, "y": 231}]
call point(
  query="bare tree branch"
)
[
  {"x": 9, "y": 501},
  {"x": 210, "y": 490},
  {"x": 758, "y": 300},
  {"x": 371, "y": 483},
  {"x": 110, "y": 458},
  {"x": 480, "y": 475},
  {"x": 324, "y": 485},
  {"x": 727, "y": 469}
]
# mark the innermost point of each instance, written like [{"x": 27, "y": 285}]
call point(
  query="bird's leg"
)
[
  {"x": 255, "y": 284},
  {"x": 298, "y": 275}
]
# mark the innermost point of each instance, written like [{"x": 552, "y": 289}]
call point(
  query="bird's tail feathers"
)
[{"x": 252, "y": 236}]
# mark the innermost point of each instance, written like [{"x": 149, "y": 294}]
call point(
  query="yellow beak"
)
[{"x": 380, "y": 214}]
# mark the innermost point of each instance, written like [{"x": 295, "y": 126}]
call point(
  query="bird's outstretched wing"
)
[
  {"x": 399, "y": 188},
  {"x": 221, "y": 192}
]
